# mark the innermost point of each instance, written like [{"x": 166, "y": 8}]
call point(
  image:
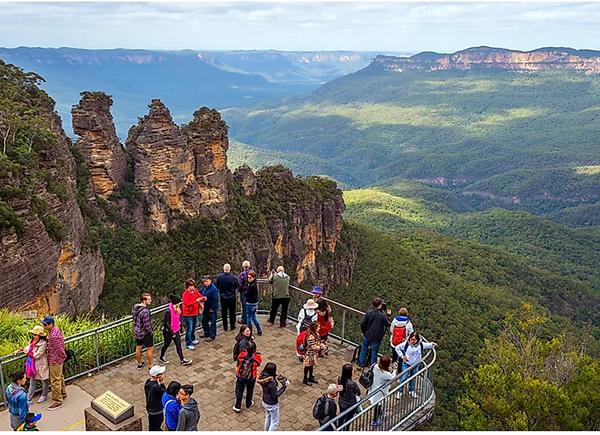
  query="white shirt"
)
[{"x": 380, "y": 377}]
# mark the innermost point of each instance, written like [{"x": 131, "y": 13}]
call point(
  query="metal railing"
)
[{"x": 113, "y": 342}]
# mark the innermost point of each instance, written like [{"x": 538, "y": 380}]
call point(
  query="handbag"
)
[{"x": 366, "y": 377}]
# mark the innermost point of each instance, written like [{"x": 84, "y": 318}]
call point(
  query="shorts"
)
[{"x": 147, "y": 341}]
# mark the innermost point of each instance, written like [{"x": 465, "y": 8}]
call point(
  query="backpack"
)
[
  {"x": 356, "y": 354},
  {"x": 321, "y": 409},
  {"x": 305, "y": 324},
  {"x": 301, "y": 343},
  {"x": 246, "y": 368},
  {"x": 399, "y": 335},
  {"x": 366, "y": 377},
  {"x": 406, "y": 347},
  {"x": 70, "y": 356}
]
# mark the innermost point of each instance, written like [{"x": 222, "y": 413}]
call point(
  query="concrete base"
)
[{"x": 94, "y": 421}]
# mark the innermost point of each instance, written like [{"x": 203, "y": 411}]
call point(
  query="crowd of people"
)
[{"x": 173, "y": 408}]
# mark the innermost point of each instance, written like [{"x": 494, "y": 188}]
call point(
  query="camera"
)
[
  {"x": 383, "y": 308},
  {"x": 281, "y": 378}
]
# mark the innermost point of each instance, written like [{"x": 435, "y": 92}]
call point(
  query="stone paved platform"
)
[{"x": 213, "y": 376}]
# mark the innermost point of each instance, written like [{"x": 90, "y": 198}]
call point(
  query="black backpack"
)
[
  {"x": 305, "y": 324},
  {"x": 70, "y": 356},
  {"x": 366, "y": 377},
  {"x": 356, "y": 354},
  {"x": 321, "y": 409}
]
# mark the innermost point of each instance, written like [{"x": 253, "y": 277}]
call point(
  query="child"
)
[{"x": 30, "y": 420}]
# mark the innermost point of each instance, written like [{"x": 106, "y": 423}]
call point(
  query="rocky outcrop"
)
[
  {"x": 245, "y": 176},
  {"x": 99, "y": 144},
  {"x": 39, "y": 272},
  {"x": 488, "y": 57}
]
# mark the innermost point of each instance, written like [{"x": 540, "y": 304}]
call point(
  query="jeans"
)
[
  {"x": 168, "y": 339},
  {"x": 244, "y": 307},
  {"x": 251, "y": 317},
  {"x": 272, "y": 417},
  {"x": 363, "y": 352},
  {"x": 239, "y": 392},
  {"x": 404, "y": 377},
  {"x": 228, "y": 310},
  {"x": 209, "y": 318},
  {"x": 33, "y": 386},
  {"x": 155, "y": 422},
  {"x": 191, "y": 323},
  {"x": 284, "y": 302},
  {"x": 57, "y": 380}
]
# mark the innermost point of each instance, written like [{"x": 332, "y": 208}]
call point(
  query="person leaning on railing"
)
[
  {"x": 56, "y": 357},
  {"x": 411, "y": 352}
]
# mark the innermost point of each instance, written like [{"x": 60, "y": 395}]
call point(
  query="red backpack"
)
[
  {"x": 301, "y": 343},
  {"x": 399, "y": 335}
]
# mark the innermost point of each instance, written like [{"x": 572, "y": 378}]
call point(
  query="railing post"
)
[
  {"x": 2, "y": 384},
  {"x": 343, "y": 326},
  {"x": 96, "y": 350}
]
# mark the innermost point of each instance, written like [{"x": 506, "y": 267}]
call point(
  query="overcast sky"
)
[{"x": 362, "y": 26}]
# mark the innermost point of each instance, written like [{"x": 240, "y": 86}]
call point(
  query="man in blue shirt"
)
[{"x": 211, "y": 305}]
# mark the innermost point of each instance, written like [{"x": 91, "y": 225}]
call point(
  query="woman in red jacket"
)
[
  {"x": 192, "y": 299},
  {"x": 248, "y": 362},
  {"x": 325, "y": 321}
]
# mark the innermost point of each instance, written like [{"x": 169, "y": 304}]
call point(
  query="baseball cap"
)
[
  {"x": 48, "y": 320},
  {"x": 156, "y": 370},
  {"x": 317, "y": 290},
  {"x": 36, "y": 417},
  {"x": 333, "y": 388}
]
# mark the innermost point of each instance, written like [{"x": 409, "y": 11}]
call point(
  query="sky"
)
[{"x": 400, "y": 27}]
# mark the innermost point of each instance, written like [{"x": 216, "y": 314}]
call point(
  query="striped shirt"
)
[{"x": 56, "y": 347}]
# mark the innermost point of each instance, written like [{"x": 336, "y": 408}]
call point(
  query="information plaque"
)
[{"x": 113, "y": 407}]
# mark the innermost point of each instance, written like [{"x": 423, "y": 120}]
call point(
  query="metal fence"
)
[{"x": 113, "y": 342}]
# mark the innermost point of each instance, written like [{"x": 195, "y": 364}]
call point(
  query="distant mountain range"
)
[{"x": 185, "y": 80}]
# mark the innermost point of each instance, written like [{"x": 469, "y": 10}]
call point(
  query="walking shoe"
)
[
  {"x": 202, "y": 336},
  {"x": 283, "y": 326},
  {"x": 259, "y": 333},
  {"x": 238, "y": 410},
  {"x": 307, "y": 382},
  {"x": 209, "y": 339},
  {"x": 42, "y": 399},
  {"x": 269, "y": 323},
  {"x": 29, "y": 402},
  {"x": 194, "y": 341},
  {"x": 251, "y": 405},
  {"x": 376, "y": 422},
  {"x": 313, "y": 380},
  {"x": 241, "y": 322},
  {"x": 398, "y": 395},
  {"x": 140, "y": 366},
  {"x": 413, "y": 394},
  {"x": 191, "y": 347},
  {"x": 186, "y": 362},
  {"x": 163, "y": 360},
  {"x": 54, "y": 406}
]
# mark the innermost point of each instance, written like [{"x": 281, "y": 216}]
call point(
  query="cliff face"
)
[
  {"x": 41, "y": 273},
  {"x": 487, "y": 57},
  {"x": 99, "y": 144}
]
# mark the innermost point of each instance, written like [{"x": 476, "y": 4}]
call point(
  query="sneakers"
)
[
  {"x": 376, "y": 422},
  {"x": 186, "y": 362},
  {"x": 283, "y": 326},
  {"x": 238, "y": 410},
  {"x": 259, "y": 333},
  {"x": 42, "y": 399},
  {"x": 313, "y": 380},
  {"x": 141, "y": 366},
  {"x": 307, "y": 382},
  {"x": 191, "y": 347},
  {"x": 413, "y": 394},
  {"x": 251, "y": 405},
  {"x": 241, "y": 322},
  {"x": 194, "y": 341},
  {"x": 269, "y": 323},
  {"x": 209, "y": 339},
  {"x": 163, "y": 360},
  {"x": 398, "y": 395},
  {"x": 55, "y": 406}
]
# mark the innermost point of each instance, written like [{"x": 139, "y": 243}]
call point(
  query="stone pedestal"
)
[{"x": 94, "y": 421}]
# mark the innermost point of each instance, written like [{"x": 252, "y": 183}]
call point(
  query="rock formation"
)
[
  {"x": 487, "y": 57},
  {"x": 37, "y": 271},
  {"x": 99, "y": 144}
]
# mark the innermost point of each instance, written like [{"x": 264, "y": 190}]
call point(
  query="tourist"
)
[
  {"x": 18, "y": 406},
  {"x": 248, "y": 362},
  {"x": 56, "y": 358},
  {"x": 382, "y": 373},
  {"x": 251, "y": 301},
  {"x": 171, "y": 327},
  {"x": 242, "y": 340},
  {"x": 209, "y": 315},
  {"x": 142, "y": 330},
  {"x": 349, "y": 395},
  {"x": 190, "y": 310},
  {"x": 30, "y": 422},
  {"x": 325, "y": 322},
  {"x": 307, "y": 315},
  {"x": 154, "y": 388},
  {"x": 373, "y": 327},
  {"x": 400, "y": 329},
  {"x": 327, "y": 406},
  {"x": 317, "y": 293},
  {"x": 189, "y": 416},
  {"x": 311, "y": 356},
  {"x": 411, "y": 352},
  {"x": 281, "y": 296},
  {"x": 171, "y": 405},
  {"x": 227, "y": 284},
  {"x": 243, "y": 281},
  {"x": 270, "y": 398},
  {"x": 37, "y": 350}
]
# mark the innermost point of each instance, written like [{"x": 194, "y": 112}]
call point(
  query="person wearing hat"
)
[
  {"x": 329, "y": 407},
  {"x": 37, "y": 350},
  {"x": 30, "y": 422},
  {"x": 209, "y": 315},
  {"x": 171, "y": 327},
  {"x": 308, "y": 311},
  {"x": 154, "y": 388},
  {"x": 317, "y": 293},
  {"x": 56, "y": 358}
]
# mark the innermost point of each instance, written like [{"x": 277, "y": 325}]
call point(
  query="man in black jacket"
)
[
  {"x": 154, "y": 389},
  {"x": 373, "y": 327},
  {"x": 329, "y": 406},
  {"x": 227, "y": 284}
]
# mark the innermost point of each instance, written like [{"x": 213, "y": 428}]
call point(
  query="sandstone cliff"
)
[{"x": 487, "y": 57}]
